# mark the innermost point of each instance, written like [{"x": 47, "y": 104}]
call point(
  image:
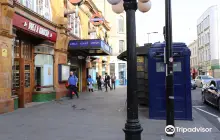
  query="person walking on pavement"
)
[
  {"x": 72, "y": 82},
  {"x": 99, "y": 82},
  {"x": 113, "y": 78},
  {"x": 107, "y": 82},
  {"x": 90, "y": 83}
]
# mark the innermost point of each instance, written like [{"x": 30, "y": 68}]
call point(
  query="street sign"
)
[{"x": 97, "y": 19}]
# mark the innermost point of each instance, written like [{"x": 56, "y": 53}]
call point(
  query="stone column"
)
[
  {"x": 60, "y": 57},
  {"x": 6, "y": 39}
]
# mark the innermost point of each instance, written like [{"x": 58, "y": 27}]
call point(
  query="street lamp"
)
[
  {"x": 133, "y": 127},
  {"x": 167, "y": 30},
  {"x": 148, "y": 34}
]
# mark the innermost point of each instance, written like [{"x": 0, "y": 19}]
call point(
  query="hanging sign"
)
[{"x": 97, "y": 19}]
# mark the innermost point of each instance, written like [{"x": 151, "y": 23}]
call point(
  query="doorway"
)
[
  {"x": 38, "y": 82},
  {"x": 22, "y": 71},
  {"x": 77, "y": 74}
]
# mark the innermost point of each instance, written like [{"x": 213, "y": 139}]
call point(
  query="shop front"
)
[
  {"x": 88, "y": 49},
  {"x": 33, "y": 60}
]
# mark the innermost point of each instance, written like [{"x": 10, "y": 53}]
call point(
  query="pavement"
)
[{"x": 95, "y": 116}]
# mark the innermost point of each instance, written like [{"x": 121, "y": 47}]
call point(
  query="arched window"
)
[{"x": 121, "y": 24}]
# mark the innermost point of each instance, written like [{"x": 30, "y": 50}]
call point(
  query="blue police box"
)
[{"x": 157, "y": 81}]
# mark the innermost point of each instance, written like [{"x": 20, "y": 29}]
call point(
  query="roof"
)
[{"x": 140, "y": 51}]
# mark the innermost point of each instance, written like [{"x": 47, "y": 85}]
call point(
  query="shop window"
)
[
  {"x": 17, "y": 48},
  {"x": 112, "y": 68},
  {"x": 16, "y": 75},
  {"x": 121, "y": 73},
  {"x": 27, "y": 70},
  {"x": 43, "y": 70}
]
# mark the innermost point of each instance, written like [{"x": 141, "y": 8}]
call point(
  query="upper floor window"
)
[
  {"x": 42, "y": 7},
  {"x": 121, "y": 24},
  {"x": 121, "y": 46},
  {"x": 74, "y": 24}
]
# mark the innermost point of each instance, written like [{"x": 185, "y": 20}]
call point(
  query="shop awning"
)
[{"x": 90, "y": 47}]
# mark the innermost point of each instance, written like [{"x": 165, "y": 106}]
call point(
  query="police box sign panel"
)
[{"x": 34, "y": 28}]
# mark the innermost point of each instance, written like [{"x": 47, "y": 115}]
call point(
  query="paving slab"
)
[{"x": 95, "y": 116}]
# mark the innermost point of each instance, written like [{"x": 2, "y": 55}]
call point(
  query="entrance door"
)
[
  {"x": 27, "y": 82},
  {"x": 18, "y": 80},
  {"x": 22, "y": 71},
  {"x": 179, "y": 84},
  {"x": 76, "y": 72}
]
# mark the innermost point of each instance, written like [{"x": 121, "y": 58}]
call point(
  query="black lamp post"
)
[
  {"x": 133, "y": 127},
  {"x": 169, "y": 66}
]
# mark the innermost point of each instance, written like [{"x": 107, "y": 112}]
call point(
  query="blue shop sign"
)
[{"x": 96, "y": 44}]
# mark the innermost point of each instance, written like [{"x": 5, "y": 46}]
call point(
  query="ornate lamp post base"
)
[{"x": 133, "y": 130}]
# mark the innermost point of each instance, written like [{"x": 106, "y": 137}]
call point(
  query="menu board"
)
[{"x": 65, "y": 72}]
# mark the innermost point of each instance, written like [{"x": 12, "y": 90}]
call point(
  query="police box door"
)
[{"x": 157, "y": 87}]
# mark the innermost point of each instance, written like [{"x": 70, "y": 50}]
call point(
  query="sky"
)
[{"x": 184, "y": 20}]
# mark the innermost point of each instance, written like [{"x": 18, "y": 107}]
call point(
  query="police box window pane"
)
[
  {"x": 160, "y": 67},
  {"x": 177, "y": 67}
]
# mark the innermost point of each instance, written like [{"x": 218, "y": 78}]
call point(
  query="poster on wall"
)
[{"x": 64, "y": 72}]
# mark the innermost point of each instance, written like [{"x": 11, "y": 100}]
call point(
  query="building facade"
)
[
  {"x": 35, "y": 40},
  {"x": 194, "y": 58},
  {"x": 208, "y": 33},
  {"x": 117, "y": 39}
]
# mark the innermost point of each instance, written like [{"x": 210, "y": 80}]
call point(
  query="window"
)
[
  {"x": 121, "y": 73},
  {"x": 74, "y": 24},
  {"x": 112, "y": 68},
  {"x": 160, "y": 67},
  {"x": 42, "y": 7},
  {"x": 121, "y": 24},
  {"x": 177, "y": 67},
  {"x": 121, "y": 46}
]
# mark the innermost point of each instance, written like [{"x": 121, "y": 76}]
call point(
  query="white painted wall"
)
[{"x": 214, "y": 41}]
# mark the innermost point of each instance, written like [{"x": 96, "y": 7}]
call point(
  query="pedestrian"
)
[
  {"x": 107, "y": 82},
  {"x": 72, "y": 83},
  {"x": 113, "y": 78},
  {"x": 99, "y": 82},
  {"x": 90, "y": 83}
]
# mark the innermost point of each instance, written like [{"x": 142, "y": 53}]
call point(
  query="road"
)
[{"x": 208, "y": 111}]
